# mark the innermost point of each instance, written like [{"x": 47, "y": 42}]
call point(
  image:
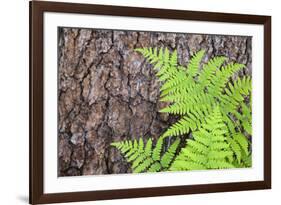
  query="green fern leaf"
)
[
  {"x": 209, "y": 148},
  {"x": 169, "y": 155},
  {"x": 157, "y": 150},
  {"x": 194, "y": 63},
  {"x": 145, "y": 157},
  {"x": 148, "y": 147},
  {"x": 242, "y": 141},
  {"x": 215, "y": 111},
  {"x": 156, "y": 167}
]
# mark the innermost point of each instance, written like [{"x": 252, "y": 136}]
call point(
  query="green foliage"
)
[
  {"x": 208, "y": 149},
  {"x": 214, "y": 104},
  {"x": 146, "y": 157},
  {"x": 194, "y": 92}
]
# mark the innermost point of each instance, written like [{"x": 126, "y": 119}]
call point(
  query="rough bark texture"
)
[{"x": 107, "y": 92}]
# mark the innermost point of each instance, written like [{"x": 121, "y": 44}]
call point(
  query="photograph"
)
[
  {"x": 149, "y": 101},
  {"x": 124, "y": 102},
  {"x": 129, "y": 102}
]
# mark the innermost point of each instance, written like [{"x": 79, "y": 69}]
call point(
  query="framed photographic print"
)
[{"x": 138, "y": 102}]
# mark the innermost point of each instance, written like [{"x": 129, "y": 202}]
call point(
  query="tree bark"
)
[{"x": 108, "y": 92}]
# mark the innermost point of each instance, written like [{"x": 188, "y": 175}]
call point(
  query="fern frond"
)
[
  {"x": 193, "y": 94},
  {"x": 156, "y": 167},
  {"x": 145, "y": 157},
  {"x": 180, "y": 128},
  {"x": 235, "y": 148},
  {"x": 169, "y": 155},
  {"x": 148, "y": 147},
  {"x": 157, "y": 150},
  {"x": 209, "y": 148},
  {"x": 218, "y": 83},
  {"x": 209, "y": 70},
  {"x": 193, "y": 66},
  {"x": 236, "y": 93},
  {"x": 242, "y": 141},
  {"x": 185, "y": 104},
  {"x": 248, "y": 161},
  {"x": 163, "y": 62}
]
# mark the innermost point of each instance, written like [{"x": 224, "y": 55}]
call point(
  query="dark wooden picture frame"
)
[{"x": 37, "y": 9}]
